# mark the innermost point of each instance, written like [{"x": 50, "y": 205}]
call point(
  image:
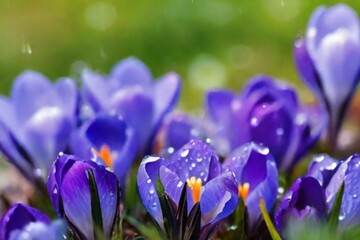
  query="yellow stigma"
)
[
  {"x": 195, "y": 185},
  {"x": 243, "y": 191},
  {"x": 105, "y": 155}
]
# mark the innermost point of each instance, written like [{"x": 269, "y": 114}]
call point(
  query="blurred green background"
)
[{"x": 210, "y": 43}]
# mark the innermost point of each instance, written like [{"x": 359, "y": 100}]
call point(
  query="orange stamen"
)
[
  {"x": 243, "y": 190},
  {"x": 105, "y": 155},
  {"x": 195, "y": 185}
]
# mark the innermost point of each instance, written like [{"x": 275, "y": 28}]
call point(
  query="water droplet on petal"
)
[{"x": 184, "y": 153}]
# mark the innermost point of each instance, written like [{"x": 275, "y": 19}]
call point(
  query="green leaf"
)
[
  {"x": 274, "y": 234},
  {"x": 181, "y": 214},
  {"x": 147, "y": 232},
  {"x": 95, "y": 206},
  {"x": 237, "y": 229},
  {"x": 333, "y": 218},
  {"x": 169, "y": 217},
  {"x": 193, "y": 223}
]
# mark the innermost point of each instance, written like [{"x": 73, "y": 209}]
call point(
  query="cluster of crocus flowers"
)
[{"x": 194, "y": 174}]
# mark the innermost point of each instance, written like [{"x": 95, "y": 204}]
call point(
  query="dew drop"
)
[
  {"x": 254, "y": 122},
  {"x": 193, "y": 165},
  {"x": 280, "y": 131},
  {"x": 149, "y": 180},
  {"x": 55, "y": 191},
  {"x": 151, "y": 191},
  {"x": 179, "y": 184},
  {"x": 354, "y": 196},
  {"x": 199, "y": 159},
  {"x": 184, "y": 153}
]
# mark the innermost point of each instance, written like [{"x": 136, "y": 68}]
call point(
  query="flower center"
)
[
  {"x": 195, "y": 185},
  {"x": 105, "y": 155},
  {"x": 243, "y": 190}
]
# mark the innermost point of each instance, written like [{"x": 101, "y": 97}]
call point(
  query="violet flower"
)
[
  {"x": 305, "y": 199},
  {"x": 108, "y": 140},
  {"x": 36, "y": 122},
  {"x": 130, "y": 91},
  {"x": 347, "y": 171},
  {"x": 85, "y": 194},
  {"x": 266, "y": 112},
  {"x": 328, "y": 60},
  {"x": 22, "y": 221},
  {"x": 196, "y": 165},
  {"x": 256, "y": 176}
]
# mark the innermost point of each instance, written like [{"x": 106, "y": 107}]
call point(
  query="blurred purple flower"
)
[
  {"x": 21, "y": 218},
  {"x": 87, "y": 208},
  {"x": 198, "y": 166},
  {"x": 257, "y": 177},
  {"x": 328, "y": 60},
  {"x": 305, "y": 199},
  {"x": 108, "y": 140},
  {"x": 130, "y": 91},
  {"x": 267, "y": 112},
  {"x": 36, "y": 122},
  {"x": 40, "y": 231},
  {"x": 178, "y": 128}
]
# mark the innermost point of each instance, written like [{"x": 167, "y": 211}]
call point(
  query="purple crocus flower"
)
[
  {"x": 257, "y": 177},
  {"x": 18, "y": 217},
  {"x": 328, "y": 60},
  {"x": 85, "y": 194},
  {"x": 347, "y": 171},
  {"x": 109, "y": 140},
  {"x": 130, "y": 91},
  {"x": 266, "y": 112},
  {"x": 304, "y": 199},
  {"x": 36, "y": 122},
  {"x": 198, "y": 166}
]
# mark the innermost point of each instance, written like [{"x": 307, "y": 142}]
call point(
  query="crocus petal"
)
[
  {"x": 26, "y": 97},
  {"x": 138, "y": 110},
  {"x": 75, "y": 192},
  {"x": 66, "y": 89},
  {"x": 61, "y": 165},
  {"x": 18, "y": 216},
  {"x": 339, "y": 66},
  {"x": 146, "y": 182},
  {"x": 130, "y": 72},
  {"x": 219, "y": 198},
  {"x": 220, "y": 105},
  {"x": 47, "y": 133},
  {"x": 172, "y": 184},
  {"x": 166, "y": 95},
  {"x": 306, "y": 68},
  {"x": 253, "y": 164},
  {"x": 273, "y": 127},
  {"x": 350, "y": 203},
  {"x": 40, "y": 231},
  {"x": 9, "y": 149},
  {"x": 322, "y": 167},
  {"x": 95, "y": 89},
  {"x": 107, "y": 186},
  {"x": 325, "y": 21}
]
